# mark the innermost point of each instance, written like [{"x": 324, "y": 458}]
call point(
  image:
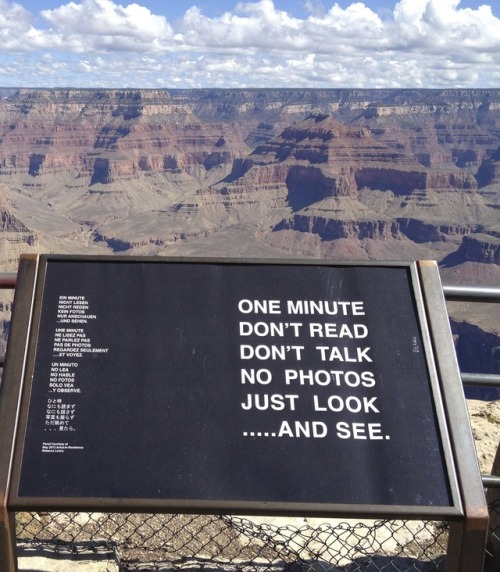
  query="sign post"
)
[{"x": 229, "y": 386}]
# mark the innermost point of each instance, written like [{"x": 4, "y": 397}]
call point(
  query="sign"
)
[{"x": 251, "y": 384}]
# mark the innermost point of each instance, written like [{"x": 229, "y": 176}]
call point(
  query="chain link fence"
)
[
  {"x": 156, "y": 542},
  {"x": 161, "y": 542},
  {"x": 493, "y": 545},
  {"x": 231, "y": 543}
]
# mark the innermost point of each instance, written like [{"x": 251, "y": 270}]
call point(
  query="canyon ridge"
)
[{"x": 270, "y": 173}]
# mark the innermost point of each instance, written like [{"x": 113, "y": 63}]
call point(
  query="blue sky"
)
[
  {"x": 174, "y": 9},
  {"x": 249, "y": 43}
]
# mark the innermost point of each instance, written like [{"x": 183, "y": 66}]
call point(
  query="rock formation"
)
[
  {"x": 359, "y": 174},
  {"x": 179, "y": 164},
  {"x": 139, "y": 170},
  {"x": 480, "y": 248}
]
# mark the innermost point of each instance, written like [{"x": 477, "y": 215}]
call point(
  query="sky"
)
[{"x": 262, "y": 43}]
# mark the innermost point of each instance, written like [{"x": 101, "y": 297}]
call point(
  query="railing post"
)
[
  {"x": 493, "y": 496},
  {"x": 467, "y": 543},
  {"x": 8, "y": 554},
  {"x": 9, "y": 412}
]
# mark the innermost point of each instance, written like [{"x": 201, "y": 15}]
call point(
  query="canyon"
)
[{"x": 271, "y": 173}]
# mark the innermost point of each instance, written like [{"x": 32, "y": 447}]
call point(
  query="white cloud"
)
[
  {"x": 15, "y": 23},
  {"x": 253, "y": 26},
  {"x": 429, "y": 43},
  {"x": 103, "y": 25},
  {"x": 441, "y": 24}
]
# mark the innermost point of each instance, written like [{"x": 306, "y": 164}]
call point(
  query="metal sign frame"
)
[{"x": 467, "y": 512}]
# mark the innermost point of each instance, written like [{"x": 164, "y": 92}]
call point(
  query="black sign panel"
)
[{"x": 215, "y": 381}]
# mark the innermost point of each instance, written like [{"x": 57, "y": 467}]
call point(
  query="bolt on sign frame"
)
[{"x": 311, "y": 388}]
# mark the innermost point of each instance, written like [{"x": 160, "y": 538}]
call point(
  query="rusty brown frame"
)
[{"x": 468, "y": 516}]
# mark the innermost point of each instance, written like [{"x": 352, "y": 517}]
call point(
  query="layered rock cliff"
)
[
  {"x": 397, "y": 173},
  {"x": 480, "y": 248},
  {"x": 358, "y": 174}
]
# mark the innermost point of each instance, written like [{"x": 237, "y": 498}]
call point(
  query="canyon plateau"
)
[{"x": 271, "y": 173}]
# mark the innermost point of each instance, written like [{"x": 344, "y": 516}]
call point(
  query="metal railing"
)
[
  {"x": 477, "y": 294},
  {"x": 8, "y": 280},
  {"x": 474, "y": 294},
  {"x": 471, "y": 294},
  {"x": 451, "y": 293}
]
